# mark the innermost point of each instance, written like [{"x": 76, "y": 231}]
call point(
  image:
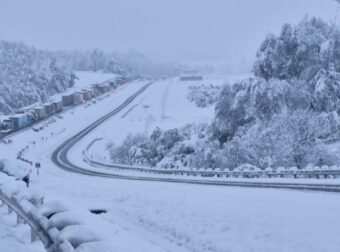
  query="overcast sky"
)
[{"x": 179, "y": 30}]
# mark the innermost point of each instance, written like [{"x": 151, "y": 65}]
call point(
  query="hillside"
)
[{"x": 29, "y": 75}]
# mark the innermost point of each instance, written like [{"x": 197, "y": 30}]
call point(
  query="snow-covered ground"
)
[{"x": 155, "y": 216}]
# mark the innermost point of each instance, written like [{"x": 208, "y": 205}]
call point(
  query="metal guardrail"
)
[
  {"x": 322, "y": 187},
  {"x": 49, "y": 231},
  {"x": 36, "y": 229},
  {"x": 227, "y": 174},
  {"x": 213, "y": 173}
]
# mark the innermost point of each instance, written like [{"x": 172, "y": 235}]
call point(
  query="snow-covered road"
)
[{"x": 144, "y": 216}]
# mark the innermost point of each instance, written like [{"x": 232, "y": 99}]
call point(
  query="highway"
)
[{"x": 59, "y": 158}]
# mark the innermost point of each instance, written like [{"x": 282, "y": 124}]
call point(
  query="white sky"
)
[{"x": 180, "y": 30}]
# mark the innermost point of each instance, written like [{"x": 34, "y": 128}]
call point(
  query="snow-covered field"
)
[{"x": 155, "y": 216}]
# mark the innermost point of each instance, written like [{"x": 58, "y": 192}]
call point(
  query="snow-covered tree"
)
[
  {"x": 297, "y": 49},
  {"x": 299, "y": 69}
]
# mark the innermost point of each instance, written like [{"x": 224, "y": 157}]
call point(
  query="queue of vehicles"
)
[{"x": 28, "y": 116}]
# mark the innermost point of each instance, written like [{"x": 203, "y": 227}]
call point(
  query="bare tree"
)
[{"x": 297, "y": 135}]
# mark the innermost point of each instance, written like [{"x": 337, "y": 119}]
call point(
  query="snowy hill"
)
[{"x": 29, "y": 75}]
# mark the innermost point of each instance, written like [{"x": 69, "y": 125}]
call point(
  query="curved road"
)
[{"x": 59, "y": 157}]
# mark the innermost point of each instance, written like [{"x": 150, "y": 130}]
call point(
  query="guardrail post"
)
[
  {"x": 9, "y": 210},
  {"x": 33, "y": 235}
]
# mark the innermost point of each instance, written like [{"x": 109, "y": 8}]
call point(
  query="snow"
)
[
  {"x": 227, "y": 219},
  {"x": 17, "y": 168},
  {"x": 155, "y": 216},
  {"x": 15, "y": 237},
  {"x": 77, "y": 234},
  {"x": 94, "y": 246},
  {"x": 61, "y": 220},
  {"x": 52, "y": 207}
]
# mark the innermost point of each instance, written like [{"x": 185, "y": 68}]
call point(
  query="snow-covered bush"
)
[
  {"x": 204, "y": 95},
  {"x": 142, "y": 150},
  {"x": 14, "y": 168},
  {"x": 136, "y": 149},
  {"x": 189, "y": 146}
]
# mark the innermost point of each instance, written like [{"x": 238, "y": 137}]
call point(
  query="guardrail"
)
[
  {"x": 227, "y": 174},
  {"x": 321, "y": 187},
  {"x": 52, "y": 223},
  {"x": 26, "y": 217},
  {"x": 303, "y": 173},
  {"x": 214, "y": 173}
]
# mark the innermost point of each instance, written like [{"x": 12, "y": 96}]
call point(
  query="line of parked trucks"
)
[{"x": 26, "y": 117}]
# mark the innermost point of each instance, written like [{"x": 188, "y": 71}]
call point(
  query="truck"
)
[
  {"x": 78, "y": 98},
  {"x": 58, "y": 106},
  {"x": 67, "y": 100},
  {"x": 19, "y": 121},
  {"x": 40, "y": 112},
  {"x": 49, "y": 108}
]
